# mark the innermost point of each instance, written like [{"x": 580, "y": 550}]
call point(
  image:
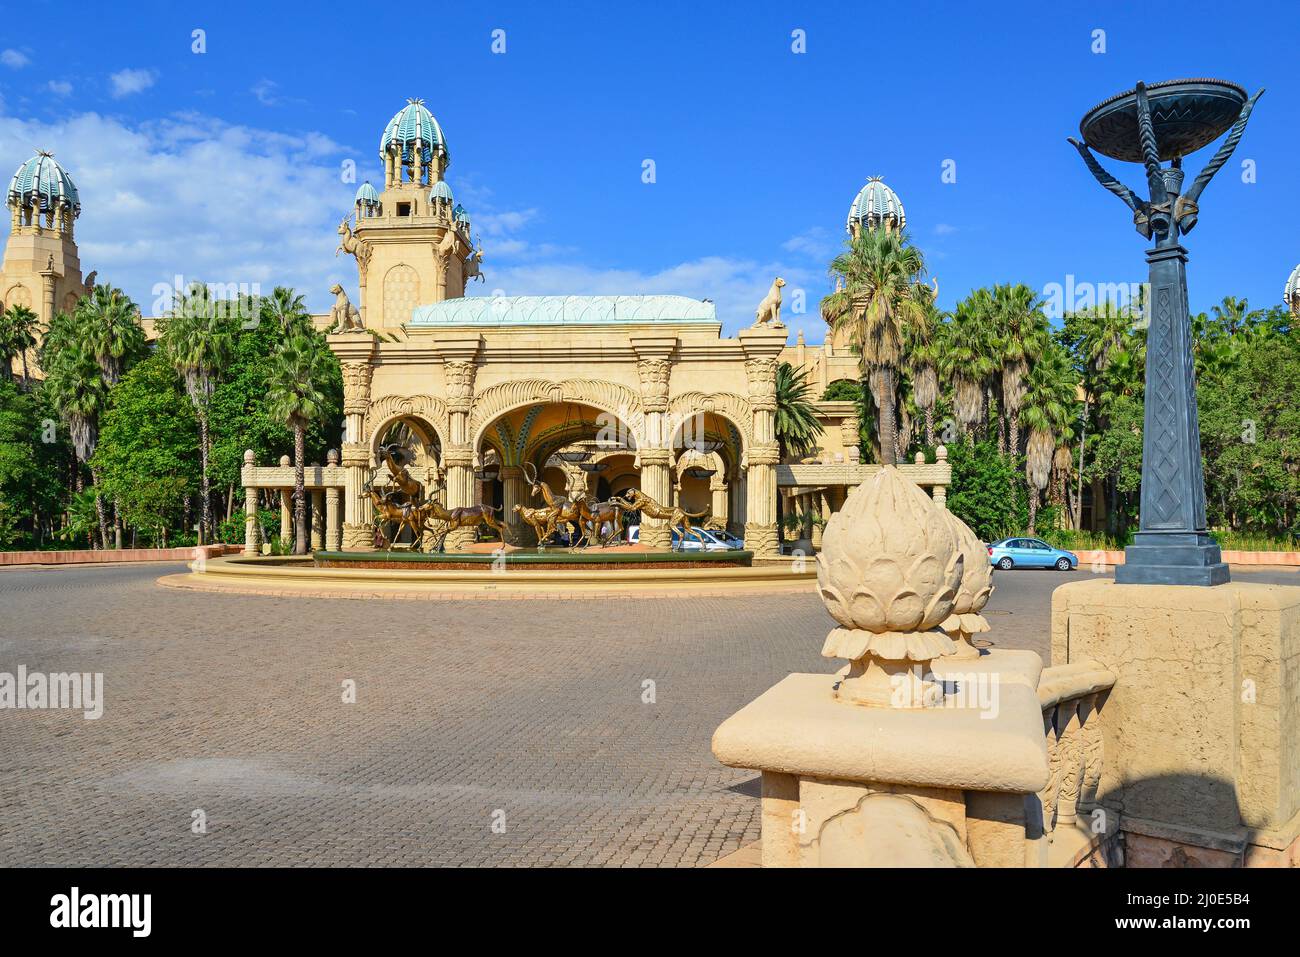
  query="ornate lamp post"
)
[{"x": 1148, "y": 125}]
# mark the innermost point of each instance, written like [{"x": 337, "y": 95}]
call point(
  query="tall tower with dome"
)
[
  {"x": 412, "y": 241},
  {"x": 41, "y": 269}
]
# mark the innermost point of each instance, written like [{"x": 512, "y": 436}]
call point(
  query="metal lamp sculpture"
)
[{"x": 1148, "y": 125}]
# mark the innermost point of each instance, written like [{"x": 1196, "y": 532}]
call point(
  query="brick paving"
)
[{"x": 233, "y": 704}]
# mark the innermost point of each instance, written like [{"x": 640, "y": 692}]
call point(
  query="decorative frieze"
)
[{"x": 356, "y": 387}]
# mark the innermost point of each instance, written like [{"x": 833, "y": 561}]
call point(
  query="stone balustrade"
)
[{"x": 1075, "y": 825}]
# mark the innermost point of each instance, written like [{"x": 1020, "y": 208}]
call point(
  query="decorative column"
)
[
  {"x": 718, "y": 490},
  {"x": 356, "y": 355},
  {"x": 939, "y": 491},
  {"x": 850, "y": 438},
  {"x": 821, "y": 507},
  {"x": 459, "y": 371},
  {"x": 48, "y": 276},
  {"x": 317, "y": 519},
  {"x": 762, "y": 346},
  {"x": 286, "y": 515},
  {"x": 653, "y": 368},
  {"x": 251, "y": 528},
  {"x": 333, "y": 534},
  {"x": 514, "y": 491}
]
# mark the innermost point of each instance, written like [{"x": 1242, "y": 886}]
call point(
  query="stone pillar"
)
[
  {"x": 355, "y": 355},
  {"x": 48, "y": 276},
  {"x": 656, "y": 482},
  {"x": 317, "y": 519},
  {"x": 286, "y": 517},
  {"x": 653, "y": 369},
  {"x": 762, "y": 347},
  {"x": 514, "y": 491},
  {"x": 251, "y": 528},
  {"x": 821, "y": 507},
  {"x": 718, "y": 504},
  {"x": 459, "y": 371},
  {"x": 333, "y": 534},
  {"x": 938, "y": 491}
]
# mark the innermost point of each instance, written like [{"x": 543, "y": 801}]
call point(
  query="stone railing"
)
[
  {"x": 934, "y": 477},
  {"x": 1074, "y": 823}
]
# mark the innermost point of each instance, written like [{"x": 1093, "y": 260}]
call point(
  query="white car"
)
[{"x": 714, "y": 541}]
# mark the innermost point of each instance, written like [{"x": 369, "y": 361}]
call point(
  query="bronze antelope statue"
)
[
  {"x": 406, "y": 514},
  {"x": 468, "y": 516},
  {"x": 557, "y": 511}
]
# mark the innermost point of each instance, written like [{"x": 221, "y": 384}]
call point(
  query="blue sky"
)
[{"x": 226, "y": 165}]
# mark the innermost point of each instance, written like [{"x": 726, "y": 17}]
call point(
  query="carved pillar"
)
[
  {"x": 358, "y": 530},
  {"x": 1071, "y": 756},
  {"x": 850, "y": 439},
  {"x": 458, "y": 374},
  {"x": 821, "y": 507},
  {"x": 939, "y": 491},
  {"x": 514, "y": 491},
  {"x": 760, "y": 522},
  {"x": 656, "y": 482},
  {"x": 317, "y": 519},
  {"x": 286, "y": 518},
  {"x": 48, "y": 276},
  {"x": 718, "y": 504},
  {"x": 333, "y": 533},
  {"x": 251, "y": 529}
]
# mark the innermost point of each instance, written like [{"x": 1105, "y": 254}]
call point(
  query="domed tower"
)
[
  {"x": 876, "y": 206},
  {"x": 410, "y": 247},
  {"x": 1291, "y": 295},
  {"x": 41, "y": 269}
]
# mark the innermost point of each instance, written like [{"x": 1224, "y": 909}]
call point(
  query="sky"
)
[{"x": 226, "y": 155}]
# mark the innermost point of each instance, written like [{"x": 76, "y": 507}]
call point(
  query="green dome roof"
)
[
  {"x": 459, "y": 215},
  {"x": 367, "y": 195},
  {"x": 42, "y": 175},
  {"x": 876, "y": 204},
  {"x": 413, "y": 125},
  {"x": 440, "y": 191}
]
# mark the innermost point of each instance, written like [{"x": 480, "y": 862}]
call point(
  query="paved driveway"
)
[{"x": 527, "y": 715}]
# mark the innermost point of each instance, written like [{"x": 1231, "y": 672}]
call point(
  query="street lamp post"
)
[{"x": 1150, "y": 125}]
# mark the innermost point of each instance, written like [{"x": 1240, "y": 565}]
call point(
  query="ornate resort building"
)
[{"x": 592, "y": 394}]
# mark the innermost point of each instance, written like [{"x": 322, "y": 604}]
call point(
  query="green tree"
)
[
  {"x": 110, "y": 323},
  {"x": 33, "y": 457},
  {"x": 18, "y": 329},
  {"x": 147, "y": 438},
  {"x": 76, "y": 389},
  {"x": 981, "y": 477},
  {"x": 796, "y": 426},
  {"x": 198, "y": 338},
  {"x": 879, "y": 296},
  {"x": 300, "y": 370},
  {"x": 1048, "y": 412},
  {"x": 842, "y": 390}
]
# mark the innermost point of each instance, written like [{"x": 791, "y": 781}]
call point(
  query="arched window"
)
[{"x": 401, "y": 294}]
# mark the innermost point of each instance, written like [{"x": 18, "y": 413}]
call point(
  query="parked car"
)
[
  {"x": 1030, "y": 553},
  {"x": 714, "y": 541}
]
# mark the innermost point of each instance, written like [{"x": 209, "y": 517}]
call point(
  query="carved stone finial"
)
[
  {"x": 249, "y": 457},
  {"x": 889, "y": 573},
  {"x": 973, "y": 595},
  {"x": 284, "y": 460},
  {"x": 332, "y": 457}
]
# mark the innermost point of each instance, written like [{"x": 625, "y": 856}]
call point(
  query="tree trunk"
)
[
  {"x": 300, "y": 544},
  {"x": 1083, "y": 440},
  {"x": 100, "y": 512},
  {"x": 205, "y": 516},
  {"x": 886, "y": 416},
  {"x": 1033, "y": 509},
  {"x": 929, "y": 427}
]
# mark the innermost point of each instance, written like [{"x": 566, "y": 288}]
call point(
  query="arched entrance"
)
[{"x": 420, "y": 449}]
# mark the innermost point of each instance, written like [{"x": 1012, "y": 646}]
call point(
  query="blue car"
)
[{"x": 1030, "y": 553}]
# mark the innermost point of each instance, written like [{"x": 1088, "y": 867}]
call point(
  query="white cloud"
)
[
  {"x": 944, "y": 229},
  {"x": 60, "y": 87},
  {"x": 195, "y": 196},
  {"x": 815, "y": 242},
  {"x": 14, "y": 59},
  {"x": 129, "y": 82}
]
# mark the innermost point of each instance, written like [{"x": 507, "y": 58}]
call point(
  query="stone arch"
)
[
  {"x": 401, "y": 294},
  {"x": 609, "y": 397},
  {"x": 732, "y": 409},
  {"x": 18, "y": 295},
  {"x": 70, "y": 301},
  {"x": 428, "y": 409}
]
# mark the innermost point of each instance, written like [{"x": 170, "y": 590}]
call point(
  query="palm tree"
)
[
  {"x": 879, "y": 296},
  {"x": 76, "y": 388},
  {"x": 18, "y": 328},
  {"x": 285, "y": 309},
  {"x": 796, "y": 426},
  {"x": 298, "y": 370},
  {"x": 967, "y": 360},
  {"x": 111, "y": 322},
  {"x": 1050, "y": 392},
  {"x": 198, "y": 338},
  {"x": 1020, "y": 322},
  {"x": 923, "y": 352}
]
